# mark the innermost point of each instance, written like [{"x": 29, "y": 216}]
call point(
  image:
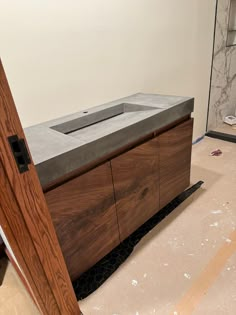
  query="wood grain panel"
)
[
  {"x": 136, "y": 184},
  {"x": 105, "y": 158},
  {"x": 26, "y": 221},
  {"x": 84, "y": 214},
  {"x": 175, "y": 161}
]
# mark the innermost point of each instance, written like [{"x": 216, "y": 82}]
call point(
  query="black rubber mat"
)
[{"x": 92, "y": 279}]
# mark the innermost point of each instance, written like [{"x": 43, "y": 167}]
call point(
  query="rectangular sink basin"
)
[{"x": 90, "y": 119}]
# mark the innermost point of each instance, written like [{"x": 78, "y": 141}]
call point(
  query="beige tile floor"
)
[{"x": 185, "y": 265}]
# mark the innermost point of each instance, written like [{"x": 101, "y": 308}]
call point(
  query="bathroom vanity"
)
[{"x": 107, "y": 170}]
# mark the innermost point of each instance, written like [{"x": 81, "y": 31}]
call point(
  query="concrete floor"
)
[{"x": 185, "y": 265}]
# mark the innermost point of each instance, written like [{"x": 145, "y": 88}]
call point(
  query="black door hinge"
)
[{"x": 20, "y": 153}]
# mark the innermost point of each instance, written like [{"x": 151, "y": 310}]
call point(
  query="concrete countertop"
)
[{"x": 58, "y": 148}]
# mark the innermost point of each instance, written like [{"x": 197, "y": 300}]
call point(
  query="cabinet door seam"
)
[{"x": 114, "y": 194}]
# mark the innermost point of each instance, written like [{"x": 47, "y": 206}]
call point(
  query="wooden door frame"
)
[{"x": 26, "y": 221}]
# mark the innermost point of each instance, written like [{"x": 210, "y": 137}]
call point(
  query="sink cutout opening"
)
[
  {"x": 91, "y": 124},
  {"x": 91, "y": 119}
]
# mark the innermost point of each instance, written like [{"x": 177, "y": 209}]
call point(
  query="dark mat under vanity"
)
[{"x": 92, "y": 279}]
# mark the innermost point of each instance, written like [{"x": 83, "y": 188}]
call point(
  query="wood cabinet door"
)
[
  {"x": 136, "y": 184},
  {"x": 84, "y": 214},
  {"x": 175, "y": 161}
]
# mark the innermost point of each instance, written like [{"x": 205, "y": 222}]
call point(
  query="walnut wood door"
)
[
  {"x": 84, "y": 215},
  {"x": 175, "y": 161},
  {"x": 136, "y": 185},
  {"x": 25, "y": 219}
]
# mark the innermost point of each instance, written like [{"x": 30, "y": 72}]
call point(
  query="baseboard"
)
[{"x": 221, "y": 136}]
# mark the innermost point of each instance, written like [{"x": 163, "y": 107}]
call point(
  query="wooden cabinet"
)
[
  {"x": 136, "y": 186},
  {"x": 175, "y": 161},
  {"x": 84, "y": 214},
  {"x": 95, "y": 211}
]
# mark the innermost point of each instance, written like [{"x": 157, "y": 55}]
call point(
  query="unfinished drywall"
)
[
  {"x": 223, "y": 83},
  {"x": 63, "y": 56}
]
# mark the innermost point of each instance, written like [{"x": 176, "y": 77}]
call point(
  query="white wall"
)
[{"x": 62, "y": 56}]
